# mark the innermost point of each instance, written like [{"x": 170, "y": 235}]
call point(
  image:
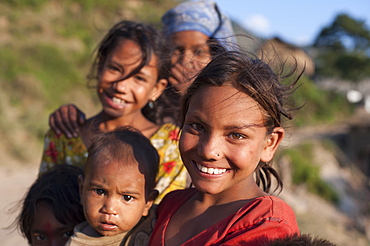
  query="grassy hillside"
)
[{"x": 45, "y": 54}]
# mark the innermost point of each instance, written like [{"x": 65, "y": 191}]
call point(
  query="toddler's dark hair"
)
[
  {"x": 255, "y": 78},
  {"x": 126, "y": 144},
  {"x": 58, "y": 188},
  {"x": 299, "y": 240}
]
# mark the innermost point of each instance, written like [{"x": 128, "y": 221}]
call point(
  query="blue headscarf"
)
[{"x": 202, "y": 16}]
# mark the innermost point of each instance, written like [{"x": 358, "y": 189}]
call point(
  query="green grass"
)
[
  {"x": 39, "y": 71},
  {"x": 319, "y": 106},
  {"x": 305, "y": 172},
  {"x": 25, "y": 3}
]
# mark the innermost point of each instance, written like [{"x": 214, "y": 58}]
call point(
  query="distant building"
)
[{"x": 278, "y": 51}]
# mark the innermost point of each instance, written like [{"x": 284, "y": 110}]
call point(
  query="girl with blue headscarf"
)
[{"x": 197, "y": 30}]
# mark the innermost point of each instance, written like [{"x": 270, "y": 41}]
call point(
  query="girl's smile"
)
[
  {"x": 210, "y": 170},
  {"x": 115, "y": 102},
  {"x": 121, "y": 95}
]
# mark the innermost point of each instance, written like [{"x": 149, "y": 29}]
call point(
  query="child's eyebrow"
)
[
  {"x": 61, "y": 228},
  {"x": 242, "y": 127},
  {"x": 130, "y": 192},
  {"x": 200, "y": 46},
  {"x": 96, "y": 184},
  {"x": 37, "y": 231},
  {"x": 230, "y": 127},
  {"x": 141, "y": 72}
]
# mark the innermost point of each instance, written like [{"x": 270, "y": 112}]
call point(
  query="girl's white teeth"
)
[
  {"x": 117, "y": 100},
  {"x": 210, "y": 170}
]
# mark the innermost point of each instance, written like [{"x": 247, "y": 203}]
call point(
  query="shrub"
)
[
  {"x": 304, "y": 172},
  {"x": 319, "y": 106}
]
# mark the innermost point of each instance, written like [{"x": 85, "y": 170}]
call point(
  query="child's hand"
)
[
  {"x": 67, "y": 120},
  {"x": 182, "y": 75}
]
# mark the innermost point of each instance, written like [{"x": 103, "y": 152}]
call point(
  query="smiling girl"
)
[
  {"x": 131, "y": 73},
  {"x": 232, "y": 126}
]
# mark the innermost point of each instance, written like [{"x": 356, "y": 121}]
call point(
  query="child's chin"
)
[{"x": 109, "y": 233}]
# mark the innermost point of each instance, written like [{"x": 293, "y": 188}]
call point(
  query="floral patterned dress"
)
[{"x": 171, "y": 175}]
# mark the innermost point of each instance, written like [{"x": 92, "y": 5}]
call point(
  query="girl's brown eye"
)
[
  {"x": 68, "y": 234},
  {"x": 196, "y": 126},
  {"x": 237, "y": 136},
  {"x": 113, "y": 68},
  {"x": 202, "y": 52},
  {"x": 40, "y": 237},
  {"x": 127, "y": 198},
  {"x": 99, "y": 191},
  {"x": 140, "y": 78}
]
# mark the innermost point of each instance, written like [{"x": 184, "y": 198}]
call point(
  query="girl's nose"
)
[
  {"x": 210, "y": 148},
  {"x": 57, "y": 241},
  {"x": 188, "y": 57},
  {"x": 122, "y": 85}
]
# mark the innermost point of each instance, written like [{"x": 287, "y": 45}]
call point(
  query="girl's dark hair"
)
[
  {"x": 59, "y": 189},
  {"x": 256, "y": 79},
  {"x": 151, "y": 43},
  {"x": 126, "y": 145}
]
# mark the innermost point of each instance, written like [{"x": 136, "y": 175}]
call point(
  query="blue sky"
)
[{"x": 295, "y": 21}]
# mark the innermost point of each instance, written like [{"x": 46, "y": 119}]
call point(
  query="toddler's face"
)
[
  {"x": 113, "y": 197},
  {"x": 46, "y": 229}
]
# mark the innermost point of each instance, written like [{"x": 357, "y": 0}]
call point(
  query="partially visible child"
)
[
  {"x": 196, "y": 31},
  {"x": 117, "y": 190},
  {"x": 231, "y": 128},
  {"x": 52, "y": 207}
]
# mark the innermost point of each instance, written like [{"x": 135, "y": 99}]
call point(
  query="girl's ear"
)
[
  {"x": 271, "y": 143},
  {"x": 81, "y": 185},
  {"x": 158, "y": 89},
  {"x": 150, "y": 200}
]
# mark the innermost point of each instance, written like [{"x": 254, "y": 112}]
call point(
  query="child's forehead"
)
[
  {"x": 115, "y": 168},
  {"x": 116, "y": 175},
  {"x": 226, "y": 104},
  {"x": 46, "y": 219},
  {"x": 226, "y": 95}
]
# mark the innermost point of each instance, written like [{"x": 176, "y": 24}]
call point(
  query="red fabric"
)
[{"x": 260, "y": 220}]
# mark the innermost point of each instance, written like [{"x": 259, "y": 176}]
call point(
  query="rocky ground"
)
[{"x": 15, "y": 179}]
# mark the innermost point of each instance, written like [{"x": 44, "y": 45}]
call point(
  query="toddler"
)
[{"x": 117, "y": 190}]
